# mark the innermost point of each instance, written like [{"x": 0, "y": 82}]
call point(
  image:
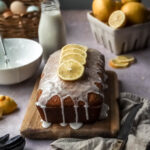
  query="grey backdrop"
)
[{"x": 85, "y": 4}]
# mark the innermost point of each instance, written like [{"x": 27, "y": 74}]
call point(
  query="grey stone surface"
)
[{"x": 135, "y": 79}]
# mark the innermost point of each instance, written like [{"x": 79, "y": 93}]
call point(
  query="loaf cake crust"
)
[{"x": 60, "y": 101}]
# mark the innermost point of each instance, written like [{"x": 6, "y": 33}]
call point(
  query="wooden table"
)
[{"x": 135, "y": 79}]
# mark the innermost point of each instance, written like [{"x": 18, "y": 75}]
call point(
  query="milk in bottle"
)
[{"x": 51, "y": 29}]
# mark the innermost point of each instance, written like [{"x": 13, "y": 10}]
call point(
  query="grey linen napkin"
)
[{"x": 138, "y": 138}]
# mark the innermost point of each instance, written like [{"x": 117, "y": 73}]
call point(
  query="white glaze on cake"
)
[
  {"x": 76, "y": 125},
  {"x": 45, "y": 124},
  {"x": 86, "y": 110},
  {"x": 63, "y": 124},
  {"x": 44, "y": 111},
  {"x": 52, "y": 85},
  {"x": 62, "y": 111}
]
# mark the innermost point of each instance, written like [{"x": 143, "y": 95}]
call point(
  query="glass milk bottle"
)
[{"x": 51, "y": 29}]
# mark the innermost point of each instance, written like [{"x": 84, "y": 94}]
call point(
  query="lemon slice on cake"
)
[
  {"x": 71, "y": 46},
  {"x": 125, "y": 59},
  {"x": 70, "y": 70},
  {"x": 74, "y": 50},
  {"x": 115, "y": 64},
  {"x": 77, "y": 57},
  {"x": 117, "y": 19}
]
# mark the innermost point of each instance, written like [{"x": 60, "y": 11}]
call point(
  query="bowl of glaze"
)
[{"x": 24, "y": 60}]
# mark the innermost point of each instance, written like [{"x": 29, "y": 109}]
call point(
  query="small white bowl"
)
[{"x": 25, "y": 58}]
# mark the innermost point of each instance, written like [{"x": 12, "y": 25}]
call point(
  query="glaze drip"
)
[
  {"x": 76, "y": 113},
  {"x": 45, "y": 124},
  {"x": 63, "y": 113},
  {"x": 86, "y": 111},
  {"x": 75, "y": 125},
  {"x": 44, "y": 111},
  {"x": 63, "y": 124}
]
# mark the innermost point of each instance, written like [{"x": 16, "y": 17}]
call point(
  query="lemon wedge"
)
[
  {"x": 70, "y": 70},
  {"x": 70, "y": 46},
  {"x": 74, "y": 50},
  {"x": 75, "y": 56},
  {"x": 125, "y": 59},
  {"x": 117, "y": 19},
  {"x": 115, "y": 64}
]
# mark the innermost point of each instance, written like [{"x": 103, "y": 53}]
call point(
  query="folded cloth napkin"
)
[{"x": 138, "y": 138}]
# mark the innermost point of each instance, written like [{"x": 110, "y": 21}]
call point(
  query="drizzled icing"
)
[
  {"x": 78, "y": 90},
  {"x": 45, "y": 124},
  {"x": 75, "y": 125},
  {"x": 63, "y": 124}
]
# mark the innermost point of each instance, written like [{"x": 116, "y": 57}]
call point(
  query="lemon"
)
[
  {"x": 125, "y": 1},
  {"x": 70, "y": 70},
  {"x": 117, "y": 19},
  {"x": 115, "y": 64},
  {"x": 125, "y": 59},
  {"x": 70, "y": 46},
  {"x": 75, "y": 56},
  {"x": 135, "y": 12},
  {"x": 74, "y": 50},
  {"x": 7, "y": 104},
  {"x": 102, "y": 9}
]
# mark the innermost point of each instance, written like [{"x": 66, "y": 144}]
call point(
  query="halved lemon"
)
[
  {"x": 125, "y": 59},
  {"x": 75, "y": 56},
  {"x": 70, "y": 46},
  {"x": 115, "y": 64},
  {"x": 74, "y": 50},
  {"x": 70, "y": 70},
  {"x": 117, "y": 19}
]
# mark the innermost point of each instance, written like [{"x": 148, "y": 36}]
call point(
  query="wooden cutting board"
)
[{"x": 31, "y": 125}]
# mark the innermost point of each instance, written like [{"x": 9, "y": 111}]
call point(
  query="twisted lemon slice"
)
[
  {"x": 74, "y": 50},
  {"x": 74, "y": 56},
  {"x": 71, "y": 46},
  {"x": 70, "y": 70}
]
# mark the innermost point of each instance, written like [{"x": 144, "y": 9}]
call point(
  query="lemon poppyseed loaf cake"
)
[{"x": 72, "y": 102}]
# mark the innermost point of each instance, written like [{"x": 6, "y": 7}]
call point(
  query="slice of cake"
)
[{"x": 72, "y": 102}]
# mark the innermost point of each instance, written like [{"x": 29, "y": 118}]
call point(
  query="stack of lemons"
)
[
  {"x": 72, "y": 61},
  {"x": 120, "y": 13}
]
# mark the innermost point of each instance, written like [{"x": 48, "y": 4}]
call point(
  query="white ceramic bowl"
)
[{"x": 25, "y": 58}]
